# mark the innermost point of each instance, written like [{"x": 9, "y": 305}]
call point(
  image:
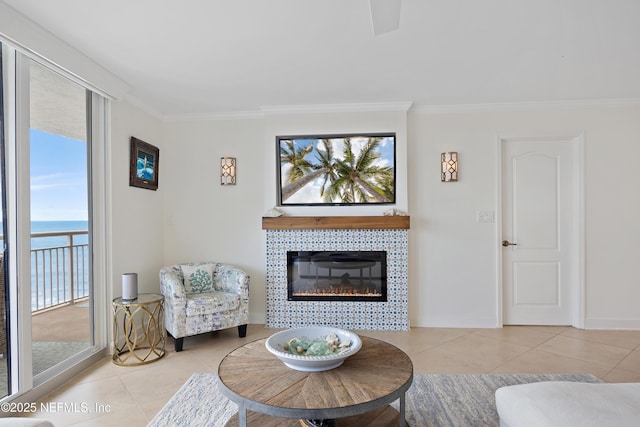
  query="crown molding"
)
[
  {"x": 292, "y": 109},
  {"x": 523, "y": 106},
  {"x": 407, "y": 107},
  {"x": 229, "y": 115},
  {"x": 338, "y": 108}
]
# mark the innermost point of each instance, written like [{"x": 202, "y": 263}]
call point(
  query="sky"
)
[{"x": 58, "y": 178}]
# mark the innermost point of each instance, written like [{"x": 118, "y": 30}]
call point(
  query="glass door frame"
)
[
  {"x": 6, "y": 324},
  {"x": 17, "y": 126}
]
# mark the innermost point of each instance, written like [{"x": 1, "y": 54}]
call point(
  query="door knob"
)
[{"x": 506, "y": 243}]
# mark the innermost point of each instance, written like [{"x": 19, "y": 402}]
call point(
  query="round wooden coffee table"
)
[{"x": 358, "y": 393}]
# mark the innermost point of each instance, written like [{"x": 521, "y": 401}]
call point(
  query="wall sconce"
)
[
  {"x": 449, "y": 169},
  {"x": 227, "y": 171}
]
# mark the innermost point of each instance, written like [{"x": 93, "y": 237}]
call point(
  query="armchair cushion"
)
[
  {"x": 211, "y": 302},
  {"x": 197, "y": 278}
]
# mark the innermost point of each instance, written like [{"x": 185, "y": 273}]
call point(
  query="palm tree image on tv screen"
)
[{"x": 337, "y": 169}]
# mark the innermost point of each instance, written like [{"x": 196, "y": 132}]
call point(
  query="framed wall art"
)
[{"x": 144, "y": 162}]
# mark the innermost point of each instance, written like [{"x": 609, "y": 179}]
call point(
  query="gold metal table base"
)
[{"x": 138, "y": 330}]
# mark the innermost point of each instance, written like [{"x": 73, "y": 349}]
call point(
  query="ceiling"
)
[{"x": 195, "y": 57}]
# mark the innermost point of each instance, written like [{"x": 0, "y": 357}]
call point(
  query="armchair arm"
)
[
  {"x": 172, "y": 286},
  {"x": 232, "y": 279}
]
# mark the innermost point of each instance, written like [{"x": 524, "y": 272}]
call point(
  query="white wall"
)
[
  {"x": 136, "y": 213},
  {"x": 206, "y": 221},
  {"x": 453, "y": 258},
  {"x": 452, "y": 262}
]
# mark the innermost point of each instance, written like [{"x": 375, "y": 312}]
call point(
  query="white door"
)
[{"x": 536, "y": 231}]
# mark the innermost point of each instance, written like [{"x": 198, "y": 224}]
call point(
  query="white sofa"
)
[{"x": 569, "y": 404}]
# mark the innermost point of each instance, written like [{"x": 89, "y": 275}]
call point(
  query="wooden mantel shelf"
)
[{"x": 335, "y": 223}]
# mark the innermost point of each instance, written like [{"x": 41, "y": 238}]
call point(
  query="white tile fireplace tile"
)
[{"x": 390, "y": 315}]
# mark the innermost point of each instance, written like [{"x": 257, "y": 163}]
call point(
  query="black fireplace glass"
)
[{"x": 337, "y": 276}]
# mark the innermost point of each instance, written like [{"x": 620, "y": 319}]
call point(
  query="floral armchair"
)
[{"x": 203, "y": 297}]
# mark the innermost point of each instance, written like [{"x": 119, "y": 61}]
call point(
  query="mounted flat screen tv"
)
[{"x": 337, "y": 170}]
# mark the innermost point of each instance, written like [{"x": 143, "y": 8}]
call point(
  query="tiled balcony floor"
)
[{"x": 66, "y": 323}]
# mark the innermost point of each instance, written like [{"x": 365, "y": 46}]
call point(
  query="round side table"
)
[{"x": 138, "y": 330}]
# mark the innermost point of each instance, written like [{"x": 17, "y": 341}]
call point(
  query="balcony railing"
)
[
  {"x": 59, "y": 271},
  {"x": 59, "y": 268}
]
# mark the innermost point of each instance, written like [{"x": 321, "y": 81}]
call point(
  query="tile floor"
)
[{"x": 132, "y": 396}]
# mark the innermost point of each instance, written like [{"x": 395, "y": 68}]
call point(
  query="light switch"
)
[{"x": 485, "y": 217}]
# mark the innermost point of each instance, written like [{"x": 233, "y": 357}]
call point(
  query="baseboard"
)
[
  {"x": 487, "y": 323},
  {"x": 605, "y": 323}
]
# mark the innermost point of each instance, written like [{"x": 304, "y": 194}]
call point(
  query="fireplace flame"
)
[{"x": 339, "y": 292}]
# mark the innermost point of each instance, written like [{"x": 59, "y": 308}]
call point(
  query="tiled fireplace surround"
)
[{"x": 388, "y": 234}]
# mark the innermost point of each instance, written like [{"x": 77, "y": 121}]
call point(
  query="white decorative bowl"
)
[{"x": 276, "y": 342}]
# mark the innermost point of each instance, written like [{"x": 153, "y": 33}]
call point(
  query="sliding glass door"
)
[
  {"x": 60, "y": 279},
  {"x": 53, "y": 316}
]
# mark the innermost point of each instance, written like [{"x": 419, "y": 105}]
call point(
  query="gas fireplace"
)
[{"x": 337, "y": 276}]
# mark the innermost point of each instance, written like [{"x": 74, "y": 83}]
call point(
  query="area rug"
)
[{"x": 432, "y": 400}]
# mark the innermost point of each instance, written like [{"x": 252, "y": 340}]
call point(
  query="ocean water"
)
[
  {"x": 54, "y": 241},
  {"x": 52, "y": 226}
]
